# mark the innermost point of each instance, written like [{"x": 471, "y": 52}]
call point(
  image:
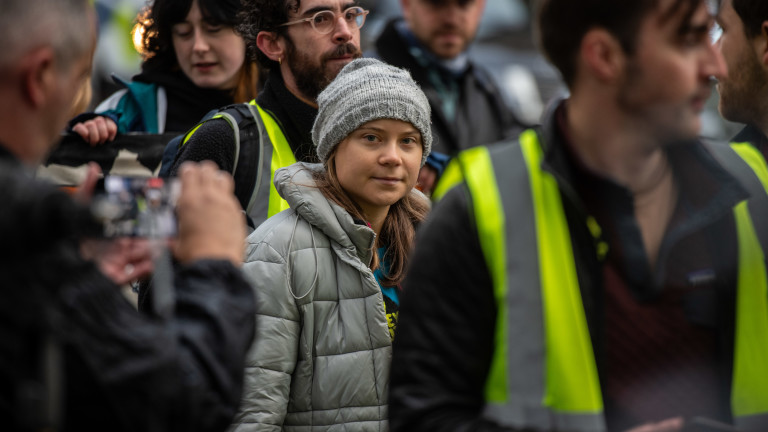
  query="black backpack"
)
[
  {"x": 246, "y": 167},
  {"x": 246, "y": 171}
]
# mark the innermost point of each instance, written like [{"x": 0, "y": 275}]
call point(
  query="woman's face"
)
[
  {"x": 378, "y": 164},
  {"x": 210, "y": 55}
]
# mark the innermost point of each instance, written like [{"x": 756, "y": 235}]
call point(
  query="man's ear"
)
[
  {"x": 602, "y": 55},
  {"x": 761, "y": 44},
  {"x": 406, "y": 8},
  {"x": 37, "y": 76},
  {"x": 272, "y": 45}
]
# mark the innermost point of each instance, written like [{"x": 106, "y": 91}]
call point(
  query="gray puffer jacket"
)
[{"x": 320, "y": 360}]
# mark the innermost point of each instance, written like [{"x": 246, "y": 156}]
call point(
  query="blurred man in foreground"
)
[
  {"x": 74, "y": 354},
  {"x": 606, "y": 271}
]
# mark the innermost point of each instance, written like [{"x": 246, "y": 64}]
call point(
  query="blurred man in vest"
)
[{"x": 604, "y": 272}]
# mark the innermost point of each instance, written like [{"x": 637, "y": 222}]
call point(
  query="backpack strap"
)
[
  {"x": 253, "y": 175},
  {"x": 248, "y": 149},
  {"x": 247, "y": 128}
]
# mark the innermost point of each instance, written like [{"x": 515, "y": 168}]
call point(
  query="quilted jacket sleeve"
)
[{"x": 273, "y": 355}]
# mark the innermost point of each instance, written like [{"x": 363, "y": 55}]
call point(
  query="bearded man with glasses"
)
[{"x": 304, "y": 44}]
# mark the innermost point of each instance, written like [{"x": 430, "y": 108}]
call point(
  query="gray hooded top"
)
[{"x": 321, "y": 354}]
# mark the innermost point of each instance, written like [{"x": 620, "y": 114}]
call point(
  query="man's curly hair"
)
[{"x": 263, "y": 15}]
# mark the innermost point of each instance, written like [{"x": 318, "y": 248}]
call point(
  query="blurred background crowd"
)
[{"x": 504, "y": 45}]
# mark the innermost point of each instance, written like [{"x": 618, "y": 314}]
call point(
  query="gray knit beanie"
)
[{"x": 366, "y": 90}]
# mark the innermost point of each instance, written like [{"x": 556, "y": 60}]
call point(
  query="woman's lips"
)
[
  {"x": 204, "y": 67},
  {"x": 387, "y": 180}
]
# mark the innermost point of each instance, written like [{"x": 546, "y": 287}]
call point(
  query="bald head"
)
[
  {"x": 44, "y": 62},
  {"x": 29, "y": 24}
]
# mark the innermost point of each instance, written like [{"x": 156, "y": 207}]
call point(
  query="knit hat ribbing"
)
[{"x": 365, "y": 90}]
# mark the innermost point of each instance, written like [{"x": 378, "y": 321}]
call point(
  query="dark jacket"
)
[
  {"x": 158, "y": 101},
  {"x": 754, "y": 136},
  {"x": 482, "y": 117},
  {"x": 117, "y": 369},
  {"x": 445, "y": 343}
]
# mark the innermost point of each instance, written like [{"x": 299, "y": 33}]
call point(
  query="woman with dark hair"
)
[{"x": 194, "y": 62}]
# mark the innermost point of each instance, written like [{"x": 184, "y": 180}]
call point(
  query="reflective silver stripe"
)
[
  {"x": 579, "y": 422},
  {"x": 526, "y": 349},
  {"x": 162, "y": 109},
  {"x": 258, "y": 205},
  {"x": 236, "y": 130},
  {"x": 753, "y": 423},
  {"x": 541, "y": 418},
  {"x": 525, "y": 343}
]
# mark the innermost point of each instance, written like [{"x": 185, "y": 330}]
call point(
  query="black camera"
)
[{"x": 136, "y": 206}]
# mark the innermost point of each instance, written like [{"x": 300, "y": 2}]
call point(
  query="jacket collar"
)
[
  {"x": 754, "y": 136},
  {"x": 455, "y": 67},
  {"x": 750, "y": 134},
  {"x": 397, "y": 44},
  {"x": 297, "y": 186}
]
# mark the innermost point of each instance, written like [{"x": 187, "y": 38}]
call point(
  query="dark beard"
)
[
  {"x": 311, "y": 79},
  {"x": 737, "y": 93}
]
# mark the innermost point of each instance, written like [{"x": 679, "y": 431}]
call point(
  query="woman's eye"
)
[
  {"x": 370, "y": 138},
  {"x": 214, "y": 29},
  {"x": 182, "y": 31}
]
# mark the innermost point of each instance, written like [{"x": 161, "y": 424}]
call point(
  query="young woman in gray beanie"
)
[{"x": 326, "y": 271}]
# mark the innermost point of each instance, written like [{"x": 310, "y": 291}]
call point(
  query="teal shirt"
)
[
  {"x": 390, "y": 292},
  {"x": 391, "y": 298}
]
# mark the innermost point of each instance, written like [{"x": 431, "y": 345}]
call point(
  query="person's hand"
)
[
  {"x": 427, "y": 179},
  {"x": 211, "y": 224},
  {"x": 670, "y": 425},
  {"x": 122, "y": 260},
  {"x": 84, "y": 192},
  {"x": 96, "y": 131}
]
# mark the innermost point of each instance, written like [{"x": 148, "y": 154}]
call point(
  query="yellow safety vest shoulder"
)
[{"x": 274, "y": 153}]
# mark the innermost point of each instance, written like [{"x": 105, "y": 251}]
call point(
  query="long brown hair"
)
[
  {"x": 399, "y": 227},
  {"x": 247, "y": 83}
]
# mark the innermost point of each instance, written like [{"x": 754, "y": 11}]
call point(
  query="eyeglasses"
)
[{"x": 325, "y": 21}]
